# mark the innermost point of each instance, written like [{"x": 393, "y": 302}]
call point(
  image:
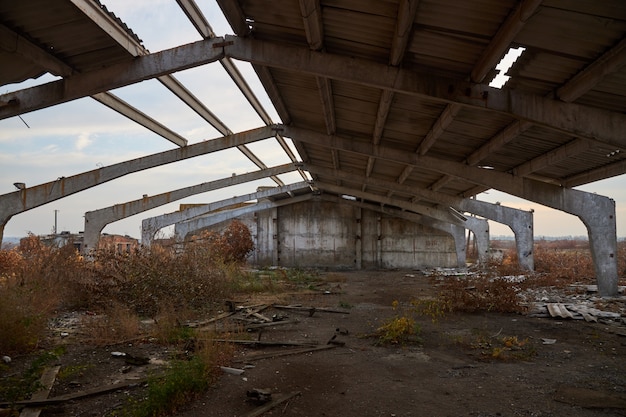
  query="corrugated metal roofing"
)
[{"x": 433, "y": 38}]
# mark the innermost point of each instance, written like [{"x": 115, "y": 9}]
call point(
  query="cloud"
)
[{"x": 83, "y": 141}]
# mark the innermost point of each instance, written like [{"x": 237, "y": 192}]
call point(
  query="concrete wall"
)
[
  {"x": 326, "y": 235},
  {"x": 390, "y": 242}
]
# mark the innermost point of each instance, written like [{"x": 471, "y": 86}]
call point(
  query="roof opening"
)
[{"x": 504, "y": 65}]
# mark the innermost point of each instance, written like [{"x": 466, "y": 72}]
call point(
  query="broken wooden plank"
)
[
  {"x": 311, "y": 309},
  {"x": 259, "y": 343},
  {"x": 68, "y": 397},
  {"x": 211, "y": 320},
  {"x": 276, "y": 401},
  {"x": 261, "y": 317},
  {"x": 283, "y": 353},
  {"x": 47, "y": 381},
  {"x": 255, "y": 326}
]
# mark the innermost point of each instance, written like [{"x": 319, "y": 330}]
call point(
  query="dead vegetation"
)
[{"x": 120, "y": 292}]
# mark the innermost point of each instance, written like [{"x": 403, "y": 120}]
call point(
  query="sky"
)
[{"x": 82, "y": 135}]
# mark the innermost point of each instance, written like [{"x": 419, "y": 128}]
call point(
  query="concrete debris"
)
[
  {"x": 259, "y": 396},
  {"x": 575, "y": 311},
  {"x": 231, "y": 371}
]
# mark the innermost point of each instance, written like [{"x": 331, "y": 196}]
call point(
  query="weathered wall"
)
[
  {"x": 390, "y": 242},
  {"x": 326, "y": 235},
  {"x": 316, "y": 233}
]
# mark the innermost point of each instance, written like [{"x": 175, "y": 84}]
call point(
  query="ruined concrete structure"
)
[
  {"x": 322, "y": 234},
  {"x": 389, "y": 109}
]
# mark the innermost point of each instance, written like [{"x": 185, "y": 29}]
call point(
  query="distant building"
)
[{"x": 122, "y": 244}]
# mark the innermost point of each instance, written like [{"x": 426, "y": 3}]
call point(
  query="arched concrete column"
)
[
  {"x": 600, "y": 223},
  {"x": 597, "y": 213},
  {"x": 151, "y": 225},
  {"x": 38, "y": 195},
  {"x": 185, "y": 228},
  {"x": 480, "y": 228},
  {"x": 96, "y": 220},
  {"x": 520, "y": 222}
]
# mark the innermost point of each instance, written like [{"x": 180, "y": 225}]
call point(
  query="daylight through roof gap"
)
[{"x": 505, "y": 65}]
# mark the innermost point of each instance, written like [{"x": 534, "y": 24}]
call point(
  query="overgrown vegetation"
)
[
  {"x": 38, "y": 281},
  {"x": 181, "y": 382},
  {"x": 400, "y": 329},
  {"x": 159, "y": 285},
  {"x": 498, "y": 288},
  {"x": 497, "y": 347},
  {"x": 20, "y": 387},
  {"x": 168, "y": 287}
]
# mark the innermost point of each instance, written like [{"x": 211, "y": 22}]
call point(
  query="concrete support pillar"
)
[
  {"x": 480, "y": 228},
  {"x": 598, "y": 215},
  {"x": 458, "y": 234},
  {"x": 520, "y": 222}
]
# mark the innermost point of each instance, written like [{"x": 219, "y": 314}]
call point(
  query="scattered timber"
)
[
  {"x": 310, "y": 310},
  {"x": 46, "y": 381},
  {"x": 277, "y": 354},
  {"x": 260, "y": 343},
  {"x": 276, "y": 401}
]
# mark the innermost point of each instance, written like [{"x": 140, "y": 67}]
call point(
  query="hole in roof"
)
[
  {"x": 348, "y": 197},
  {"x": 505, "y": 65}
]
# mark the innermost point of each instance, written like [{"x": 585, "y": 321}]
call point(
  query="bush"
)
[{"x": 232, "y": 246}]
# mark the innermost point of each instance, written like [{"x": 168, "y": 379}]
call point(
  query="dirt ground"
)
[{"x": 453, "y": 370}]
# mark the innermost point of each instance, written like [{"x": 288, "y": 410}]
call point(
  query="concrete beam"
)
[
  {"x": 520, "y": 222},
  {"x": 151, "y": 225},
  {"x": 120, "y": 106},
  {"x": 578, "y": 120},
  {"x": 31, "y": 197},
  {"x": 97, "y": 220},
  {"x": 311, "y": 11},
  {"x": 182, "y": 230},
  {"x": 13, "y": 42},
  {"x": 581, "y": 83},
  {"x": 595, "y": 211},
  {"x": 125, "y": 73},
  {"x": 574, "y": 119},
  {"x": 479, "y": 227},
  {"x": 407, "y": 10},
  {"x": 500, "y": 43},
  {"x": 456, "y": 231}
]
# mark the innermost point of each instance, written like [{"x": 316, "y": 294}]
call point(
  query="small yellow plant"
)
[
  {"x": 434, "y": 308},
  {"x": 397, "y": 330}
]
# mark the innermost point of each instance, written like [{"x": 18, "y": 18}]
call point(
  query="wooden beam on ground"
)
[
  {"x": 46, "y": 381},
  {"x": 276, "y": 401},
  {"x": 284, "y": 353},
  {"x": 68, "y": 397}
]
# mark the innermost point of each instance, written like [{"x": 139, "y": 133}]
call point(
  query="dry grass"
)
[
  {"x": 36, "y": 281},
  {"x": 558, "y": 264}
]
